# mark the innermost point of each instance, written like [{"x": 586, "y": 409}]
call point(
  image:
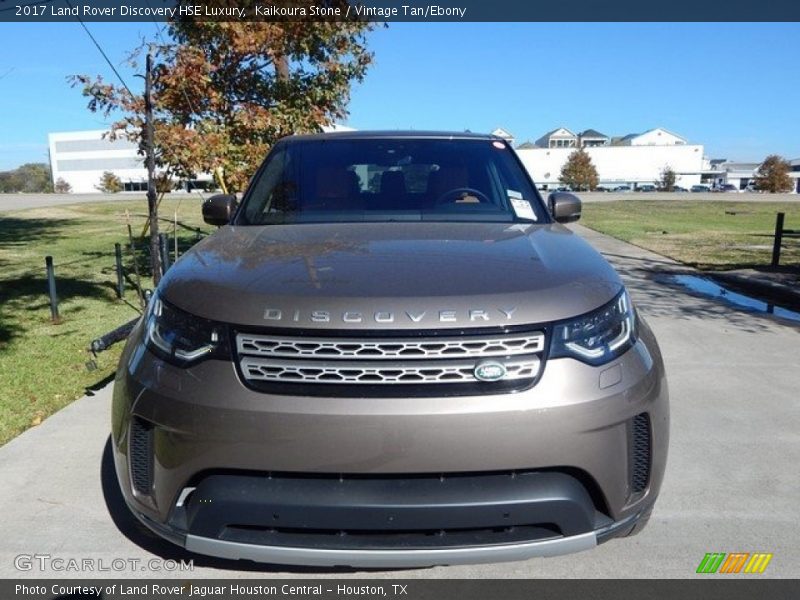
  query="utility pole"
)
[{"x": 152, "y": 204}]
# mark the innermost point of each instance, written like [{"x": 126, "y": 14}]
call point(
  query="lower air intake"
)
[
  {"x": 141, "y": 455},
  {"x": 640, "y": 473}
]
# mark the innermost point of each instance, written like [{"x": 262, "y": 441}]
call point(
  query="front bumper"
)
[
  {"x": 407, "y": 558},
  {"x": 576, "y": 422},
  {"x": 383, "y": 521}
]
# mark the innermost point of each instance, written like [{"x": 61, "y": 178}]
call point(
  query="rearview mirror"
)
[
  {"x": 564, "y": 207},
  {"x": 218, "y": 210}
]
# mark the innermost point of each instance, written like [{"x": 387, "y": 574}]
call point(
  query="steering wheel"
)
[{"x": 454, "y": 195}]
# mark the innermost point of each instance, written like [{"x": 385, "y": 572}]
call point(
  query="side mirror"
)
[
  {"x": 218, "y": 210},
  {"x": 564, "y": 207}
]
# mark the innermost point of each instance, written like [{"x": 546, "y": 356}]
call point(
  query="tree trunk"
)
[{"x": 152, "y": 203}]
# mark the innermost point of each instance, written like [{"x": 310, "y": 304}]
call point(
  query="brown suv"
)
[{"x": 391, "y": 354}]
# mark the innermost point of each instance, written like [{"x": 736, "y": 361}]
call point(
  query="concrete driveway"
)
[{"x": 731, "y": 482}]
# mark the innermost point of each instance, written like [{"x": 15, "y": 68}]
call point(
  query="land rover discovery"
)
[{"x": 391, "y": 353}]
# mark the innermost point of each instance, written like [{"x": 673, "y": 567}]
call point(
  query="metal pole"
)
[
  {"x": 776, "y": 245},
  {"x": 164, "y": 244},
  {"x": 152, "y": 204},
  {"x": 51, "y": 285},
  {"x": 120, "y": 278},
  {"x": 139, "y": 290},
  {"x": 175, "y": 233}
]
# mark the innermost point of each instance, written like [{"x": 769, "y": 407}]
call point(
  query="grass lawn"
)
[
  {"x": 706, "y": 234},
  {"x": 42, "y": 364}
]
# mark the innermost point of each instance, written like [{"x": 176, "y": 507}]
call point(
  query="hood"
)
[{"x": 390, "y": 275}]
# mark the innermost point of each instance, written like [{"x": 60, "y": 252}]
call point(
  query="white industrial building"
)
[
  {"x": 632, "y": 160},
  {"x": 741, "y": 175},
  {"x": 796, "y": 173},
  {"x": 81, "y": 157},
  {"x": 733, "y": 173}
]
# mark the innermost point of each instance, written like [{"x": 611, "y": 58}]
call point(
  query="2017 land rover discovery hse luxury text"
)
[{"x": 391, "y": 354}]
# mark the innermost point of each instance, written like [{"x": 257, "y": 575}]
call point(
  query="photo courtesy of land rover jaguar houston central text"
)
[{"x": 391, "y": 353}]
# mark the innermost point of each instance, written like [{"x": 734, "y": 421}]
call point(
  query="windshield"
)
[{"x": 395, "y": 179}]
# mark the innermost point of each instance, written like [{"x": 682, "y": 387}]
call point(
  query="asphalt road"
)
[
  {"x": 10, "y": 202},
  {"x": 728, "y": 197},
  {"x": 731, "y": 483}
]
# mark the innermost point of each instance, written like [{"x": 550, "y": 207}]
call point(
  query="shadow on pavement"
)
[
  {"x": 99, "y": 385},
  {"x": 137, "y": 533},
  {"x": 656, "y": 295}
]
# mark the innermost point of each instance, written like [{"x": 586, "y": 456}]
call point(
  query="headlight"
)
[
  {"x": 599, "y": 337},
  {"x": 180, "y": 338}
]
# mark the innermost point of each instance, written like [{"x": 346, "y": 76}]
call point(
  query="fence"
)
[
  {"x": 137, "y": 253},
  {"x": 780, "y": 234}
]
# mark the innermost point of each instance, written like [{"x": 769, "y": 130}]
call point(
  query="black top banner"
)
[{"x": 400, "y": 10}]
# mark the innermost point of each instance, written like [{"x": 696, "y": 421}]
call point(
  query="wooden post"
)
[
  {"x": 776, "y": 245},
  {"x": 51, "y": 285}
]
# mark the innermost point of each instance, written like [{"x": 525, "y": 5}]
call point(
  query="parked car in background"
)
[
  {"x": 697, "y": 188},
  {"x": 678, "y": 189},
  {"x": 622, "y": 188},
  {"x": 726, "y": 188},
  {"x": 646, "y": 188}
]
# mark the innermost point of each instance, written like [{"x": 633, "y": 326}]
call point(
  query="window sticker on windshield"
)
[
  {"x": 514, "y": 194},
  {"x": 522, "y": 208},
  {"x": 499, "y": 145}
]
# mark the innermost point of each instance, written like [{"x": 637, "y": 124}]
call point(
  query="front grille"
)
[
  {"x": 454, "y": 347},
  {"x": 453, "y": 360},
  {"x": 141, "y": 455},
  {"x": 360, "y": 372},
  {"x": 640, "y": 450}
]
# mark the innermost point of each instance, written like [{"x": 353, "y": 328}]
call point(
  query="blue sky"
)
[{"x": 734, "y": 87}]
